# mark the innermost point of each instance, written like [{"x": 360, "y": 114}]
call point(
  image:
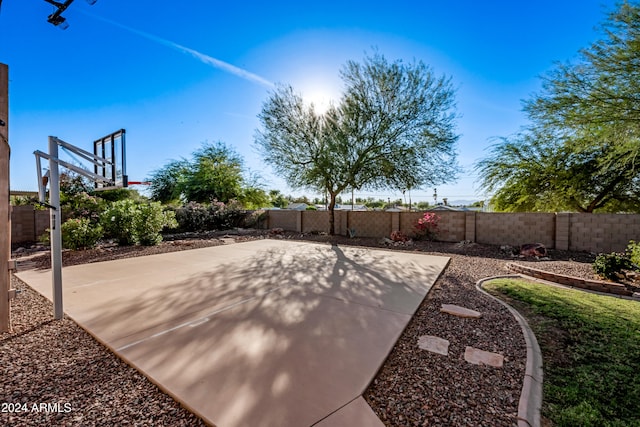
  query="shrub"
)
[
  {"x": 607, "y": 265},
  {"x": 399, "y": 236},
  {"x": 633, "y": 252},
  {"x": 80, "y": 233},
  {"x": 192, "y": 217},
  {"x": 119, "y": 221},
  {"x": 427, "y": 226},
  {"x": 82, "y": 205},
  {"x": 130, "y": 222},
  {"x": 255, "y": 219},
  {"x": 226, "y": 216},
  {"x": 117, "y": 194},
  {"x": 45, "y": 238},
  {"x": 151, "y": 219},
  {"x": 214, "y": 216}
]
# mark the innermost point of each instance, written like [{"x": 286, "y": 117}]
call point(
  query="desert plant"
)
[
  {"x": 633, "y": 252},
  {"x": 213, "y": 216},
  {"x": 427, "y": 226},
  {"x": 80, "y": 233},
  {"x": 82, "y": 205},
  {"x": 226, "y": 216},
  {"x": 45, "y": 238},
  {"x": 131, "y": 222},
  {"x": 255, "y": 219},
  {"x": 610, "y": 265},
  {"x": 151, "y": 219},
  {"x": 399, "y": 236},
  {"x": 119, "y": 221},
  {"x": 192, "y": 217}
]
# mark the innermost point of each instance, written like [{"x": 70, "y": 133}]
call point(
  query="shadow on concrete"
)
[{"x": 284, "y": 337}]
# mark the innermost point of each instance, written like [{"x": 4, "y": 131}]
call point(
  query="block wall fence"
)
[
  {"x": 563, "y": 231},
  {"x": 28, "y": 224}
]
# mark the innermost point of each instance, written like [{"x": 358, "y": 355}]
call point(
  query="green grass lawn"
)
[{"x": 591, "y": 350}]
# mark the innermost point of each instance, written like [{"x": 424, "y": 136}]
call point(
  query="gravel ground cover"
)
[
  {"x": 81, "y": 383},
  {"x": 55, "y": 374}
]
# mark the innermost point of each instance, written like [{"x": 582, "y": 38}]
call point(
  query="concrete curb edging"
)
[{"x": 530, "y": 402}]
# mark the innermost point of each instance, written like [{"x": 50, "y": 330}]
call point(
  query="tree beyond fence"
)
[{"x": 563, "y": 231}]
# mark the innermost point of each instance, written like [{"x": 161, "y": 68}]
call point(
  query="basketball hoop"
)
[{"x": 109, "y": 161}]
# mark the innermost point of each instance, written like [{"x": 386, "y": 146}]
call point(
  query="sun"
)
[
  {"x": 319, "y": 91},
  {"x": 320, "y": 100}
]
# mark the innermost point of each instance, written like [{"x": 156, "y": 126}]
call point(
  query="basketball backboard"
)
[{"x": 112, "y": 148}]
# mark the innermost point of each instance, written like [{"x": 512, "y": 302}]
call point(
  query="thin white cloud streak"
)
[{"x": 206, "y": 59}]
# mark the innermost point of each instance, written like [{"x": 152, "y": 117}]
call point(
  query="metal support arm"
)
[{"x": 76, "y": 169}]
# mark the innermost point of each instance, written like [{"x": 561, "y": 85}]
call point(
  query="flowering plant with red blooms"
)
[{"x": 427, "y": 226}]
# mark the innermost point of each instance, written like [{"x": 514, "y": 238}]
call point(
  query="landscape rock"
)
[
  {"x": 533, "y": 250},
  {"x": 481, "y": 357},
  {"x": 456, "y": 310},
  {"x": 434, "y": 344}
]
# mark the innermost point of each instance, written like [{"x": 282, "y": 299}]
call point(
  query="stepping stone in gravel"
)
[
  {"x": 434, "y": 344},
  {"x": 481, "y": 357},
  {"x": 456, "y": 310}
]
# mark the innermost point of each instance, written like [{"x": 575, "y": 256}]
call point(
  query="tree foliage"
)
[
  {"x": 581, "y": 151},
  {"x": 392, "y": 128},
  {"x": 215, "y": 172},
  {"x": 167, "y": 182},
  {"x": 535, "y": 172}
]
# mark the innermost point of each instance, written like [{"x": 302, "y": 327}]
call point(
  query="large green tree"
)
[
  {"x": 580, "y": 152},
  {"x": 215, "y": 172},
  {"x": 167, "y": 182},
  {"x": 393, "y": 127},
  {"x": 539, "y": 172}
]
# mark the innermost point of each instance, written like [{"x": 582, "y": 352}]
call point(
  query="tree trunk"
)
[
  {"x": 604, "y": 195},
  {"x": 332, "y": 218}
]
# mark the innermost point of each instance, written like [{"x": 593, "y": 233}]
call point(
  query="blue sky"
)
[{"x": 122, "y": 64}]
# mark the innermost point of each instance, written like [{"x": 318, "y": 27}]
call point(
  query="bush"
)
[
  {"x": 608, "y": 265},
  {"x": 130, "y": 222},
  {"x": 215, "y": 216},
  {"x": 399, "y": 236},
  {"x": 427, "y": 226},
  {"x": 82, "y": 205},
  {"x": 80, "y": 233},
  {"x": 255, "y": 219},
  {"x": 226, "y": 216},
  {"x": 150, "y": 222},
  {"x": 119, "y": 221},
  {"x": 192, "y": 217},
  {"x": 633, "y": 252}
]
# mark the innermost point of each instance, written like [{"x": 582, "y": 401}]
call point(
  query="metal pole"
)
[
  {"x": 5, "y": 208},
  {"x": 55, "y": 225}
]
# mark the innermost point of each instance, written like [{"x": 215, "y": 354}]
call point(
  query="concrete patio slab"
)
[
  {"x": 356, "y": 413},
  {"x": 260, "y": 333}
]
